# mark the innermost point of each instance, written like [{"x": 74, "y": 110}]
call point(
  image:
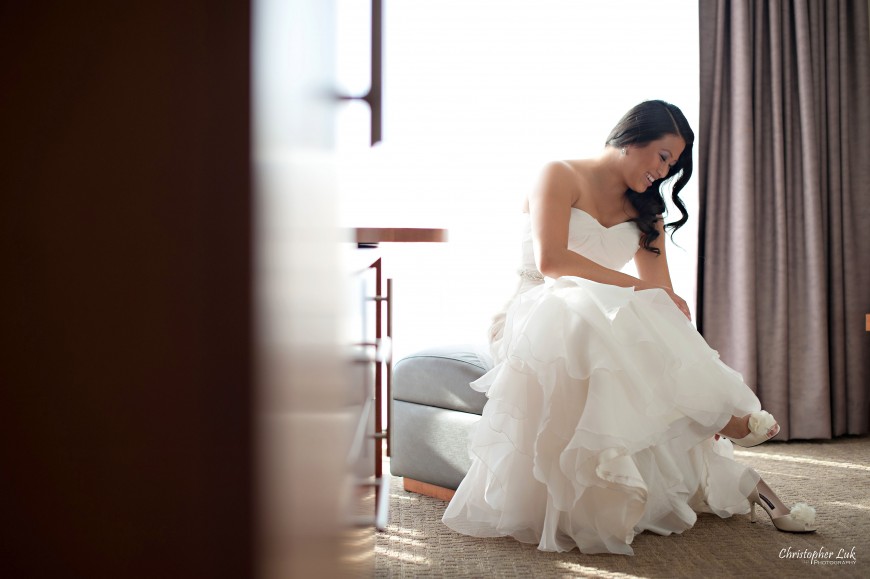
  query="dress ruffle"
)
[{"x": 599, "y": 424}]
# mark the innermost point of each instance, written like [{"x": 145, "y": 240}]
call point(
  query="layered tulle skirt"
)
[{"x": 600, "y": 422}]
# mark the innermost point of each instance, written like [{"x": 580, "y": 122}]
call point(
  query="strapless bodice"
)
[{"x": 613, "y": 247}]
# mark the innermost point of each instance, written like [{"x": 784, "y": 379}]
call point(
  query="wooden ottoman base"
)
[{"x": 430, "y": 490}]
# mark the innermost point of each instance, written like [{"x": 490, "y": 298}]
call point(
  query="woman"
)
[{"x": 605, "y": 402}]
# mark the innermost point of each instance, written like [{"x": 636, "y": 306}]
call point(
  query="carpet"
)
[{"x": 833, "y": 476}]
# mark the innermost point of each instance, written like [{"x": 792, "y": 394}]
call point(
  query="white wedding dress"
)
[{"x": 601, "y": 411}]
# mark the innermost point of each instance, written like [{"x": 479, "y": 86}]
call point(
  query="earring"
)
[{"x": 623, "y": 151}]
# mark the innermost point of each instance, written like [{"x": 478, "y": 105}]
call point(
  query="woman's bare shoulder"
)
[
  {"x": 562, "y": 170},
  {"x": 579, "y": 174},
  {"x": 582, "y": 169},
  {"x": 558, "y": 180}
]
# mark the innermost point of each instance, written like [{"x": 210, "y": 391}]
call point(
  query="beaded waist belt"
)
[{"x": 530, "y": 274}]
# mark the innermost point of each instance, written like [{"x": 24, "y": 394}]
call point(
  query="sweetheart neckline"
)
[
  {"x": 599, "y": 223},
  {"x": 587, "y": 214}
]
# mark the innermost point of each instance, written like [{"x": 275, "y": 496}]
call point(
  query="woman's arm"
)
[
  {"x": 550, "y": 211},
  {"x": 653, "y": 268}
]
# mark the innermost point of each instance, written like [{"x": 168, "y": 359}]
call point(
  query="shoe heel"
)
[{"x": 800, "y": 518}]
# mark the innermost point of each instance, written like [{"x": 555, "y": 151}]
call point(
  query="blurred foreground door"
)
[
  {"x": 126, "y": 379},
  {"x": 302, "y": 420}
]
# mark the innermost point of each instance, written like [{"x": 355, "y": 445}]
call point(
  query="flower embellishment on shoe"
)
[
  {"x": 803, "y": 513},
  {"x": 762, "y": 427}
]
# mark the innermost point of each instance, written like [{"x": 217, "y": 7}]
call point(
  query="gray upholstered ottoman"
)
[{"x": 433, "y": 410}]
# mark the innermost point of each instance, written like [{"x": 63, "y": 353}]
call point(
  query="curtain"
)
[{"x": 784, "y": 192}]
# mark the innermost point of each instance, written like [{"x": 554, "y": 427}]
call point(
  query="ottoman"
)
[{"x": 433, "y": 409}]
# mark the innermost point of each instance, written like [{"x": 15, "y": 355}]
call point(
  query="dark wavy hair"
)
[{"x": 647, "y": 122}]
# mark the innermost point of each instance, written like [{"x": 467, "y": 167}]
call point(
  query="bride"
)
[{"x": 605, "y": 406}]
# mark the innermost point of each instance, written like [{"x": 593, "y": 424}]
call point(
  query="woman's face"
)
[{"x": 646, "y": 163}]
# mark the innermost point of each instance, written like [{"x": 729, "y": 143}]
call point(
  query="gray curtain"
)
[{"x": 784, "y": 235}]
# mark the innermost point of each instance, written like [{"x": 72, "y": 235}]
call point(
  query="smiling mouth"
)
[{"x": 650, "y": 178}]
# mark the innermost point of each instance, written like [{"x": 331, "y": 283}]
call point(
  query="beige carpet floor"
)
[{"x": 833, "y": 476}]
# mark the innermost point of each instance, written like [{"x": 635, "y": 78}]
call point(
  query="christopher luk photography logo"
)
[{"x": 821, "y": 556}]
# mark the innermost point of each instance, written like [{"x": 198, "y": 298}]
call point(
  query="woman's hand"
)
[{"x": 681, "y": 303}]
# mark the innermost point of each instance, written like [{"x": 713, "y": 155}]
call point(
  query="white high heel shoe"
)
[
  {"x": 800, "y": 518},
  {"x": 762, "y": 427}
]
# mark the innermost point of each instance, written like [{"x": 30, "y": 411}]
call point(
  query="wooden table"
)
[
  {"x": 368, "y": 240},
  {"x": 375, "y": 235}
]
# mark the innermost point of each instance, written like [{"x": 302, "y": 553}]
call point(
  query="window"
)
[{"x": 477, "y": 97}]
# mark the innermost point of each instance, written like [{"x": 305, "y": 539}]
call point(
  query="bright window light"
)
[{"x": 478, "y": 96}]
